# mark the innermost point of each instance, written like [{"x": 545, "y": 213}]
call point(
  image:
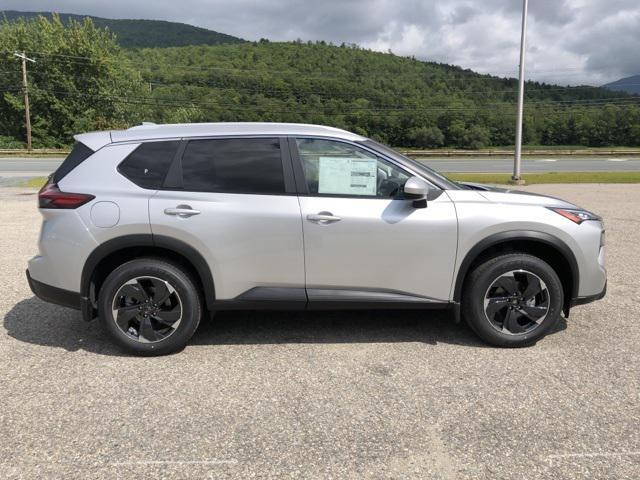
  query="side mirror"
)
[{"x": 417, "y": 190}]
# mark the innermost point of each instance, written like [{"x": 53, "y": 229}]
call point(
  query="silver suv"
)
[{"x": 152, "y": 228}]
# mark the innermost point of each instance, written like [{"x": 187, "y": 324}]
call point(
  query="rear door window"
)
[
  {"x": 78, "y": 154},
  {"x": 148, "y": 164},
  {"x": 234, "y": 165}
]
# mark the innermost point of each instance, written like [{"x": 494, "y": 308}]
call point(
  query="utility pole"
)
[
  {"x": 516, "y": 179},
  {"x": 25, "y": 89}
]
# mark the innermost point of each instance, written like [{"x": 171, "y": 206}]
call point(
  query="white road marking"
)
[
  {"x": 617, "y": 159},
  {"x": 176, "y": 462},
  {"x": 593, "y": 455},
  {"x": 547, "y": 160}
]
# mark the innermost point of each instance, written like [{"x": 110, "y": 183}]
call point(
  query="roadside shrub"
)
[
  {"x": 10, "y": 142},
  {"x": 426, "y": 137}
]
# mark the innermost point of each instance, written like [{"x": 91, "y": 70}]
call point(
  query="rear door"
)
[{"x": 234, "y": 200}]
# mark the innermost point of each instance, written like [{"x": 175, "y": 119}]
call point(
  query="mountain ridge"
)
[
  {"x": 140, "y": 33},
  {"x": 627, "y": 84}
]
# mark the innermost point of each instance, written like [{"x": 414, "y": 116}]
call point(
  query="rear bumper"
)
[
  {"x": 590, "y": 298},
  {"x": 55, "y": 295}
]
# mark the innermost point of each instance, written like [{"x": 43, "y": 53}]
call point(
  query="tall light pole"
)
[
  {"x": 516, "y": 178},
  {"x": 25, "y": 89}
]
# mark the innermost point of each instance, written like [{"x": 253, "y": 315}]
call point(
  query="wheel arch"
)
[
  {"x": 116, "y": 251},
  {"x": 543, "y": 245}
]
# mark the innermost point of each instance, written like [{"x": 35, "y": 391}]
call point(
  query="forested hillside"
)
[
  {"x": 83, "y": 80},
  {"x": 397, "y": 100},
  {"x": 140, "y": 33}
]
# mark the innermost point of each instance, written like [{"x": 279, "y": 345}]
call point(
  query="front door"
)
[{"x": 360, "y": 240}]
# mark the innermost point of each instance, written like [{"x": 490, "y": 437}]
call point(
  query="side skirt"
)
[{"x": 279, "y": 298}]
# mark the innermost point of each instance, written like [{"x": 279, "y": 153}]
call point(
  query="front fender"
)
[{"x": 510, "y": 236}]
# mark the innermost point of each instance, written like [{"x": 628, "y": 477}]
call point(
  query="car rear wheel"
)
[
  {"x": 512, "y": 300},
  {"x": 150, "y": 306}
]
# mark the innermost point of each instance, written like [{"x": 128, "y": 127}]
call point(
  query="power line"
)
[
  {"x": 154, "y": 101},
  {"x": 417, "y": 106},
  {"x": 304, "y": 90},
  {"x": 421, "y": 72},
  {"x": 300, "y": 91},
  {"x": 419, "y": 64},
  {"x": 322, "y": 75}
]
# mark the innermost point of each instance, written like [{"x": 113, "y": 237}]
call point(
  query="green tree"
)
[
  {"x": 80, "y": 81},
  {"x": 475, "y": 137},
  {"x": 634, "y": 135},
  {"x": 426, "y": 137}
]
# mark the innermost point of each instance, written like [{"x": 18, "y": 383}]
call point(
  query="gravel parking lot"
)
[{"x": 325, "y": 395}]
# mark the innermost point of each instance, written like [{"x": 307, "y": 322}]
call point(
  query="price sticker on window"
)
[{"x": 347, "y": 176}]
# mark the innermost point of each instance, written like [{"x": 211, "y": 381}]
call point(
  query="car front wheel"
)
[{"x": 512, "y": 300}]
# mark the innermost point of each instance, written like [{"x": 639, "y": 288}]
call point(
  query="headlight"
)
[{"x": 575, "y": 215}]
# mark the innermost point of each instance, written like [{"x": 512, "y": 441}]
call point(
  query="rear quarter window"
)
[
  {"x": 78, "y": 154},
  {"x": 148, "y": 164}
]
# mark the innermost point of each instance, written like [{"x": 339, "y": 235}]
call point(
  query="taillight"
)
[{"x": 50, "y": 196}]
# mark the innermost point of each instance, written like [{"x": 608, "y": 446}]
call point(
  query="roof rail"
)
[{"x": 142, "y": 125}]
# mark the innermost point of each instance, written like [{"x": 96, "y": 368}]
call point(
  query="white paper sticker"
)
[{"x": 347, "y": 176}]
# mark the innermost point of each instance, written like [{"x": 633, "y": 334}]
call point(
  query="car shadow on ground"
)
[{"x": 39, "y": 323}]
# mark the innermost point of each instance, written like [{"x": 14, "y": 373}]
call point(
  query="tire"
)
[
  {"x": 512, "y": 300},
  {"x": 150, "y": 307}
]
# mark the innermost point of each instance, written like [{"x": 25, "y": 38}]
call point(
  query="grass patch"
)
[
  {"x": 530, "y": 150},
  {"x": 35, "y": 182},
  {"x": 560, "y": 148},
  {"x": 551, "y": 177},
  {"x": 498, "y": 178}
]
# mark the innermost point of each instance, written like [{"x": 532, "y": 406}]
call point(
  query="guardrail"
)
[
  {"x": 409, "y": 153},
  {"x": 510, "y": 153},
  {"x": 35, "y": 151}
]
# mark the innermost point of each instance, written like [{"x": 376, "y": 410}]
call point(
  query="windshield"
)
[{"x": 430, "y": 174}]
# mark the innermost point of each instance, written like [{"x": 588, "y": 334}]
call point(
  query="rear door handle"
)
[
  {"x": 182, "y": 211},
  {"x": 323, "y": 218}
]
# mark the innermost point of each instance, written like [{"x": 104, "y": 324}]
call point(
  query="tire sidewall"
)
[
  {"x": 179, "y": 280},
  {"x": 480, "y": 281}
]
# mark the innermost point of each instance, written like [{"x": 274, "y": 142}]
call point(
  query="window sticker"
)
[{"x": 347, "y": 176}]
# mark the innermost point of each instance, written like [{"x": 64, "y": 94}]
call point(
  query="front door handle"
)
[
  {"x": 182, "y": 211},
  {"x": 323, "y": 218}
]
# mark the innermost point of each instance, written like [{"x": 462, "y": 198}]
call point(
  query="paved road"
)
[
  {"x": 530, "y": 165},
  {"x": 340, "y": 395},
  {"x": 24, "y": 167},
  {"x": 28, "y": 167}
]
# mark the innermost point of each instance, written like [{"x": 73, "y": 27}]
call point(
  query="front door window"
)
[{"x": 338, "y": 169}]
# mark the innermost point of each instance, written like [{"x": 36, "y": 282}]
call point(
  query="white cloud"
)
[{"x": 569, "y": 41}]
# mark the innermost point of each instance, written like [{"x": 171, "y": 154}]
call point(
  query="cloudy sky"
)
[{"x": 569, "y": 41}]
